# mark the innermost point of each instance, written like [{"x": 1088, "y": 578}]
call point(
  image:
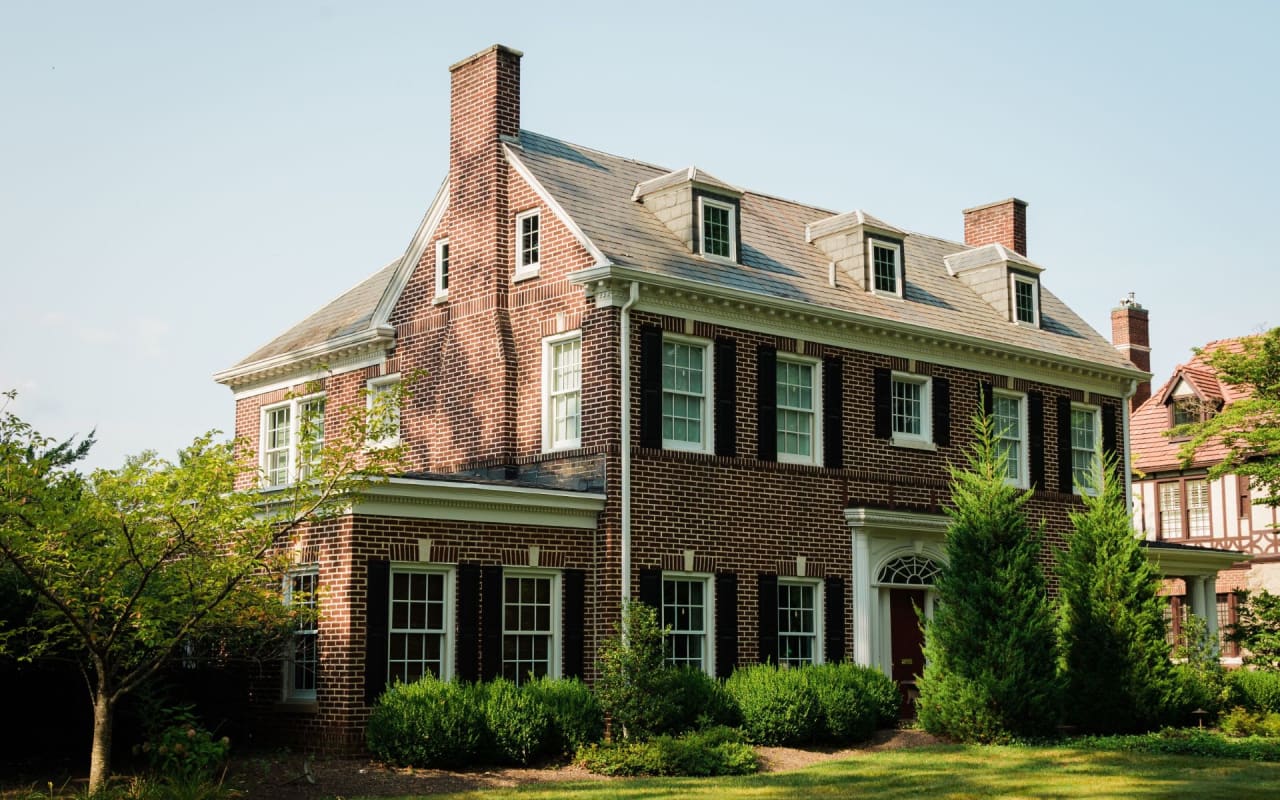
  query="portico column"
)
[
  {"x": 1208, "y": 591},
  {"x": 1195, "y": 595},
  {"x": 862, "y": 609}
]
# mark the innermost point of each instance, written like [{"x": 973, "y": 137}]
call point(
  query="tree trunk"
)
[{"x": 100, "y": 759}]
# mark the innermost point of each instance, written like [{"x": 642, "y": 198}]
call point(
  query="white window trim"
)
[
  {"x": 442, "y": 293},
  {"x": 1096, "y": 413},
  {"x": 704, "y": 201},
  {"x": 709, "y": 615},
  {"x": 554, "y": 648},
  {"x": 446, "y": 652},
  {"x": 287, "y": 691},
  {"x": 1023, "y": 481},
  {"x": 924, "y": 439},
  {"x": 294, "y": 404},
  {"x": 819, "y": 614},
  {"x": 525, "y": 271},
  {"x": 815, "y": 456},
  {"x": 707, "y": 445},
  {"x": 371, "y": 387},
  {"x": 1015, "y": 279},
  {"x": 872, "y": 244},
  {"x": 549, "y": 445}
]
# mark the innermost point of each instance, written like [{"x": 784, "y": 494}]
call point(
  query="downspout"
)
[
  {"x": 624, "y": 361},
  {"x": 1127, "y": 465}
]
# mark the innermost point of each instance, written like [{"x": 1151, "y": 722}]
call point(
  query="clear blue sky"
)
[{"x": 180, "y": 182}]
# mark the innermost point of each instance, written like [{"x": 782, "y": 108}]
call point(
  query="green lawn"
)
[{"x": 955, "y": 772}]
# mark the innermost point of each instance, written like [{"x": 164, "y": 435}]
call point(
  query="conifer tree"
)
[
  {"x": 990, "y": 655},
  {"x": 1115, "y": 658}
]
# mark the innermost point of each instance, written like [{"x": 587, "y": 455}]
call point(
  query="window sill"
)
[
  {"x": 685, "y": 447},
  {"x": 887, "y": 295},
  {"x": 527, "y": 273},
  {"x": 913, "y": 444},
  {"x": 719, "y": 259},
  {"x": 803, "y": 461},
  {"x": 297, "y": 707},
  {"x": 560, "y": 448},
  {"x": 440, "y": 298}
]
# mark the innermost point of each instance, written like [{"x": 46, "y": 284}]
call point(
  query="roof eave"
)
[{"x": 378, "y": 337}]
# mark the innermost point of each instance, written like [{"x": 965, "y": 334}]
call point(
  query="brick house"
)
[
  {"x": 790, "y": 384},
  {"x": 1176, "y": 507}
]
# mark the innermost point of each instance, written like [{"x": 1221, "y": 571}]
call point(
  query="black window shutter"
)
[
  {"x": 726, "y": 389},
  {"x": 767, "y": 403},
  {"x": 833, "y": 412},
  {"x": 881, "y": 398},
  {"x": 768, "y": 603},
  {"x": 574, "y": 583},
  {"x": 1035, "y": 438},
  {"x": 988, "y": 400},
  {"x": 833, "y": 623},
  {"x": 941, "y": 412},
  {"x": 651, "y": 590},
  {"x": 651, "y": 386},
  {"x": 466, "y": 654},
  {"x": 1111, "y": 440},
  {"x": 377, "y": 588},
  {"x": 726, "y": 623},
  {"x": 1065, "y": 478},
  {"x": 491, "y": 622}
]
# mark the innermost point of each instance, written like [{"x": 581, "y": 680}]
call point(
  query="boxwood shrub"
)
[
  {"x": 778, "y": 706},
  {"x": 1254, "y": 690},
  {"x": 854, "y": 700},
  {"x": 717, "y": 750},
  {"x": 697, "y": 701},
  {"x": 429, "y": 723},
  {"x": 576, "y": 716},
  {"x": 519, "y": 724}
]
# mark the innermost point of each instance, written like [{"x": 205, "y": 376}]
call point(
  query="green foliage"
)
[
  {"x": 519, "y": 725},
  {"x": 1115, "y": 657},
  {"x": 1240, "y": 722},
  {"x": 1201, "y": 680},
  {"x": 1257, "y": 629},
  {"x": 778, "y": 705},
  {"x": 1254, "y": 690},
  {"x": 854, "y": 700},
  {"x": 1184, "y": 742},
  {"x": 708, "y": 752},
  {"x": 634, "y": 674},
  {"x": 576, "y": 716},
  {"x": 182, "y": 749},
  {"x": 990, "y": 651},
  {"x": 697, "y": 701},
  {"x": 430, "y": 723},
  {"x": 1247, "y": 427}
]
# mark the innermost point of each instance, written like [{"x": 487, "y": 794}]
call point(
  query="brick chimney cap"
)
[
  {"x": 500, "y": 48},
  {"x": 1129, "y": 304},
  {"x": 1013, "y": 200}
]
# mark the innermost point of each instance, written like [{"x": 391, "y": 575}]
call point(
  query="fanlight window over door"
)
[{"x": 910, "y": 570}]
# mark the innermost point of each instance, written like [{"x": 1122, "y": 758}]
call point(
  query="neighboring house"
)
[
  {"x": 651, "y": 384},
  {"x": 1177, "y": 507}
]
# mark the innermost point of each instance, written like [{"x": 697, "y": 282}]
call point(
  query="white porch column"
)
[
  {"x": 862, "y": 609},
  {"x": 1195, "y": 595},
  {"x": 1208, "y": 591}
]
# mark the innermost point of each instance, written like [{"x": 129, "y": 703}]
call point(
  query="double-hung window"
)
[
  {"x": 1086, "y": 470},
  {"x": 912, "y": 420},
  {"x": 292, "y": 435},
  {"x": 886, "y": 267},
  {"x": 1026, "y": 299},
  {"x": 719, "y": 229},
  {"x": 530, "y": 619},
  {"x": 1183, "y": 508},
  {"x": 384, "y": 411},
  {"x": 799, "y": 622},
  {"x": 442, "y": 269},
  {"x": 686, "y": 611},
  {"x": 1008, "y": 412},
  {"x": 562, "y": 391},
  {"x": 685, "y": 407},
  {"x": 303, "y": 656},
  {"x": 528, "y": 244},
  {"x": 418, "y": 638},
  {"x": 797, "y": 399}
]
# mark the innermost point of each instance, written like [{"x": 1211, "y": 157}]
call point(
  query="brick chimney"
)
[
  {"x": 478, "y": 359},
  {"x": 1003, "y": 222},
  {"x": 1130, "y": 335}
]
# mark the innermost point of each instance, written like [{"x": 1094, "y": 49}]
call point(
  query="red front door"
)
[{"x": 906, "y": 643}]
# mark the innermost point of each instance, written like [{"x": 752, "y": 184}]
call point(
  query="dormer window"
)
[
  {"x": 886, "y": 267},
  {"x": 527, "y": 244},
  {"x": 1185, "y": 411},
  {"x": 719, "y": 229},
  {"x": 1026, "y": 299}
]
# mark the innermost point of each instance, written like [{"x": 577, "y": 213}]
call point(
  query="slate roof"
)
[
  {"x": 1155, "y": 452},
  {"x": 595, "y": 189}
]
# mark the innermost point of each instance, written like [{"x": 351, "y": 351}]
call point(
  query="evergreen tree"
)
[
  {"x": 990, "y": 658},
  {"x": 1115, "y": 657}
]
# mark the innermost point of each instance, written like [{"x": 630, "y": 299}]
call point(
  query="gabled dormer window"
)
[
  {"x": 886, "y": 267},
  {"x": 527, "y": 244},
  {"x": 1026, "y": 299},
  {"x": 718, "y": 228}
]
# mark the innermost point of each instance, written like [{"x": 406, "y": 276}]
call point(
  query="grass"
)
[{"x": 952, "y": 772}]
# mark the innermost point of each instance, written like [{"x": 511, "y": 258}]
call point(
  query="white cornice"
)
[
  {"x": 351, "y": 347},
  {"x": 1174, "y": 563},
  {"x": 523, "y": 171},
  {"x": 477, "y": 502},
  {"x": 810, "y": 322},
  {"x": 903, "y": 521}
]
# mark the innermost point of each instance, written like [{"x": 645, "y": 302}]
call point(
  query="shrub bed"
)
[
  {"x": 798, "y": 705},
  {"x": 1254, "y": 690},
  {"x": 576, "y": 716},
  {"x": 1185, "y": 742},
  {"x": 713, "y": 751},
  {"x": 430, "y": 723}
]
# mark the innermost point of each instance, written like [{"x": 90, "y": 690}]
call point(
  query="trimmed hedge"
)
[
  {"x": 430, "y": 723},
  {"x": 576, "y": 716},
  {"x": 825, "y": 703},
  {"x": 518, "y": 723},
  {"x": 854, "y": 700},
  {"x": 1254, "y": 690},
  {"x": 713, "y": 751}
]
